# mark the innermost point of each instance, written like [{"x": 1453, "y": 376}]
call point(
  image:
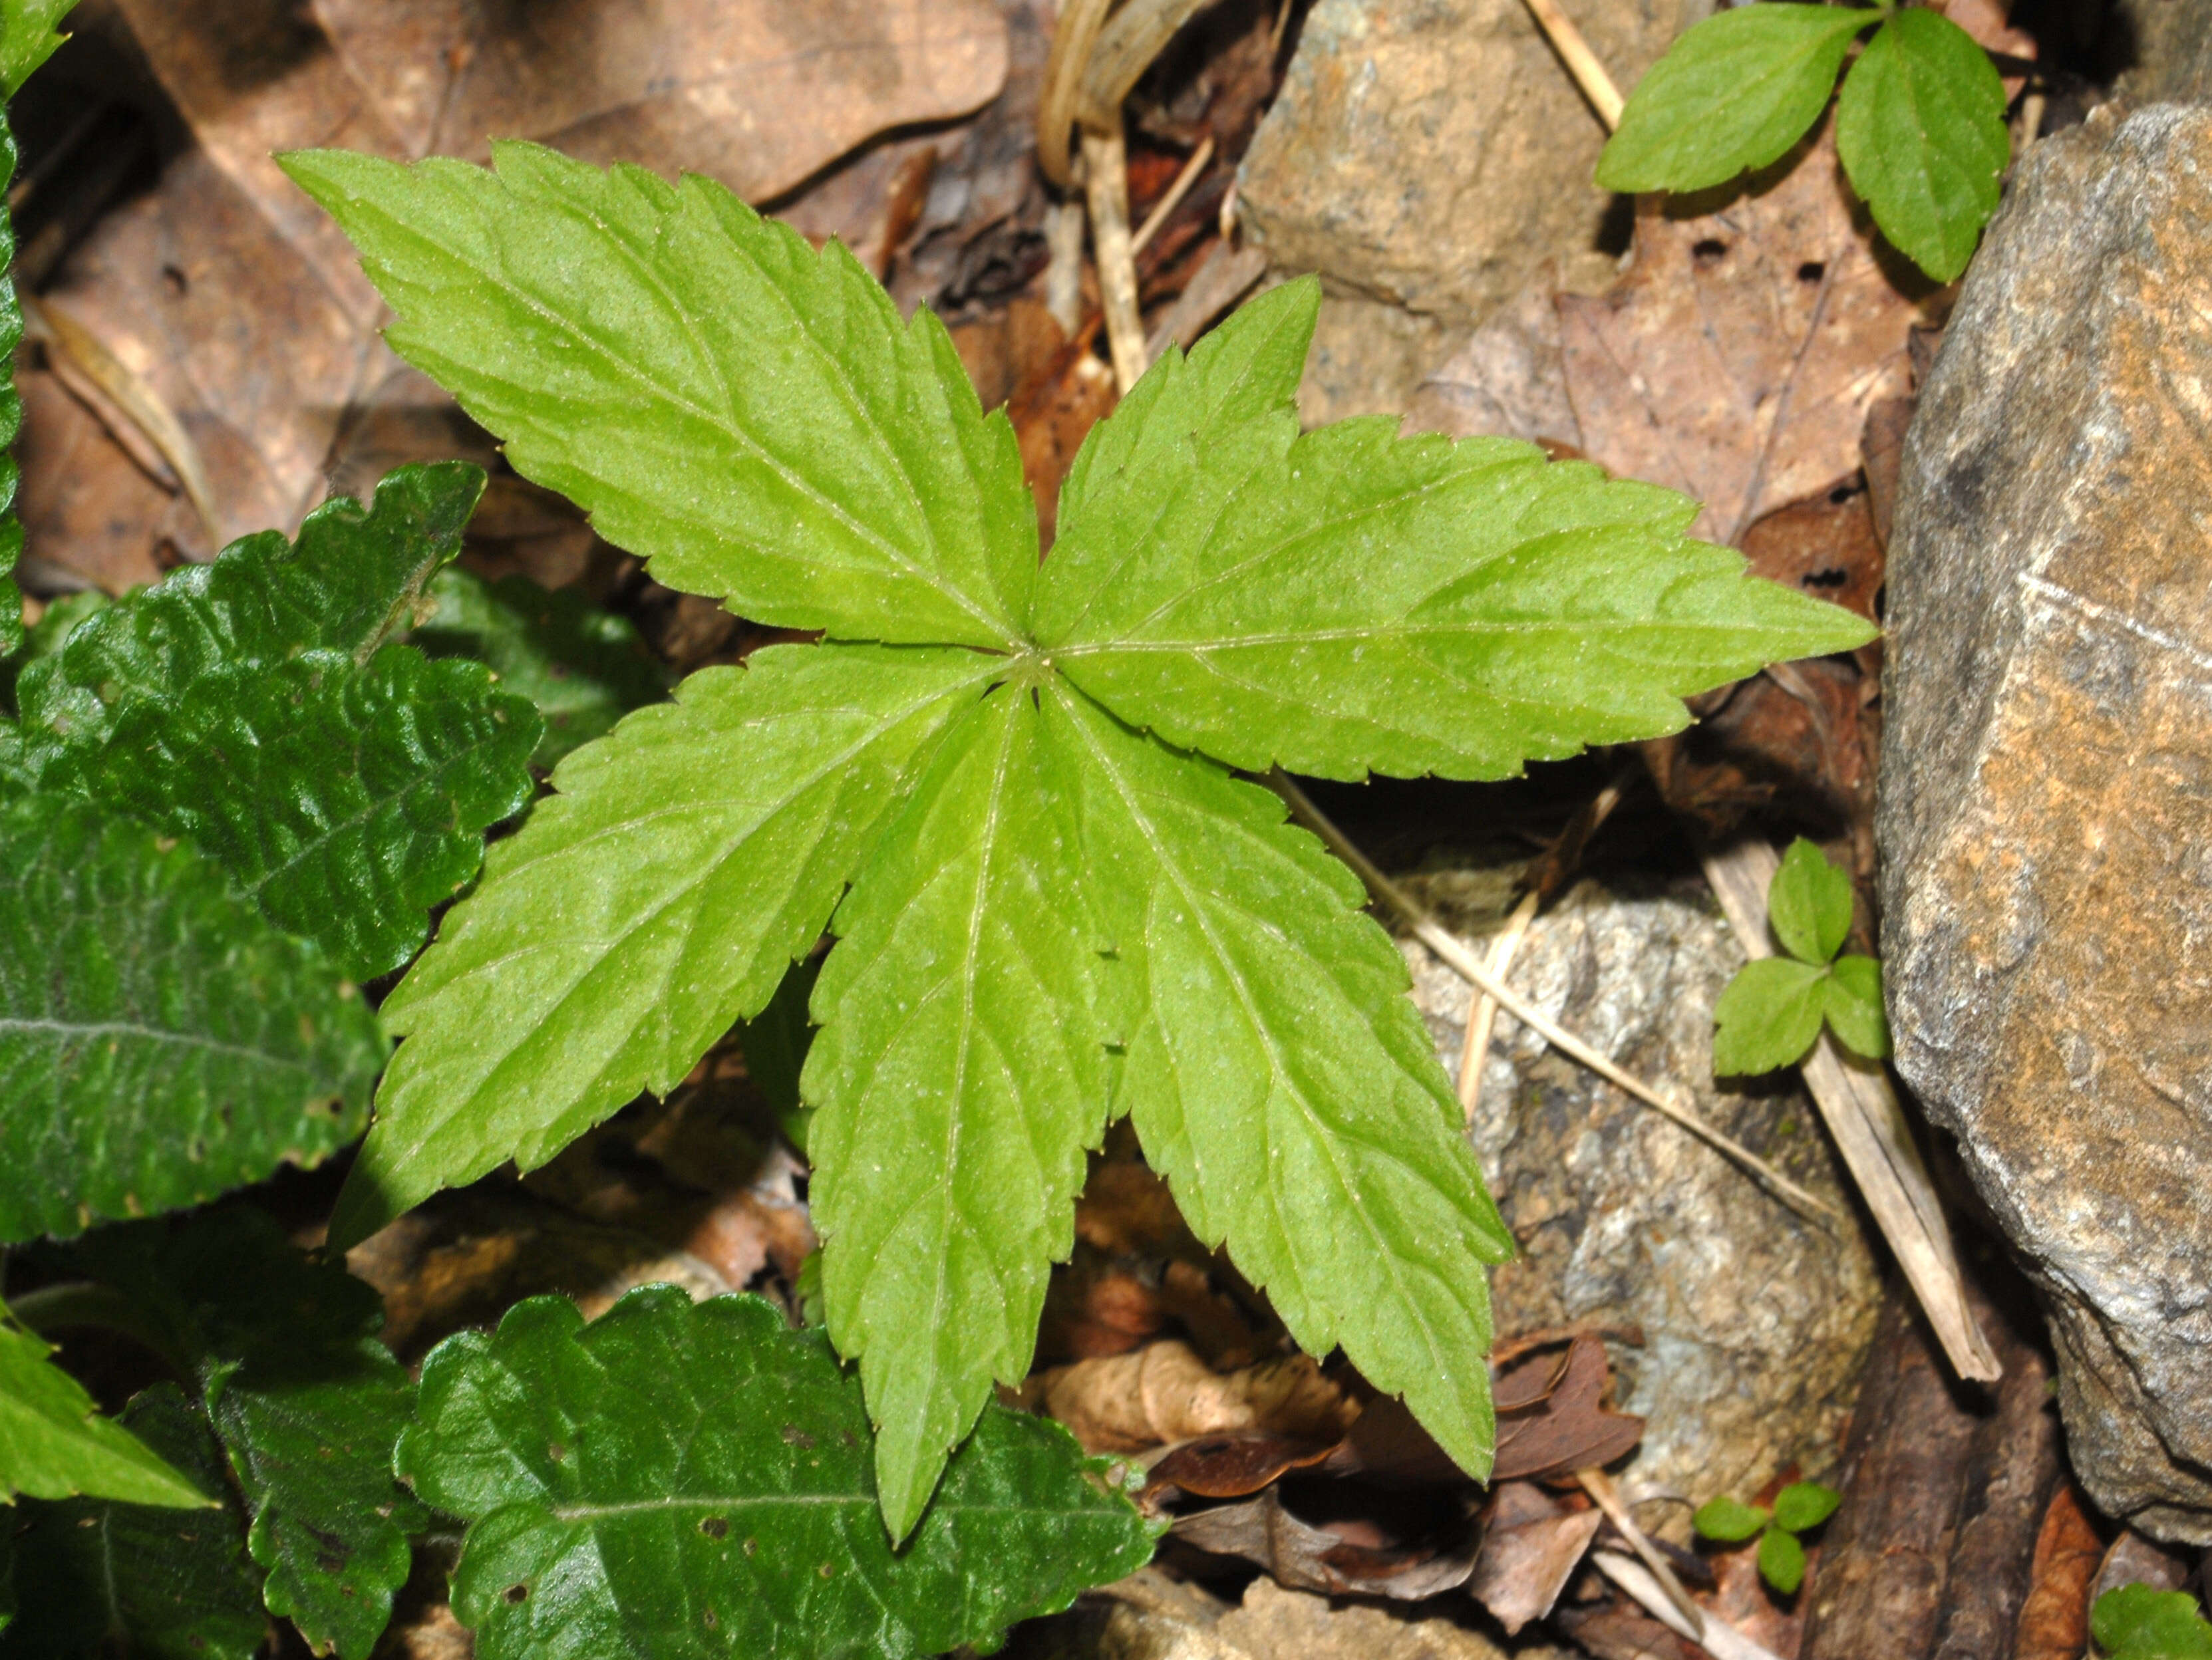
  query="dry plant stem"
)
[
  {"x": 1072, "y": 37},
  {"x": 1717, "y": 1637},
  {"x": 1582, "y": 63},
  {"x": 1105, "y": 178},
  {"x": 1867, "y": 1121},
  {"x": 1599, "y": 1485},
  {"x": 1484, "y": 1015},
  {"x": 1471, "y": 968},
  {"x": 1063, "y": 277},
  {"x": 77, "y": 352},
  {"x": 1168, "y": 204}
]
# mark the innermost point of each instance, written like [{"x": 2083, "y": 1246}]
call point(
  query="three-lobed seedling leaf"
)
[
  {"x": 2138, "y": 1622},
  {"x": 694, "y": 1481},
  {"x": 1004, "y": 785},
  {"x": 1920, "y": 124},
  {"x": 1773, "y": 1011},
  {"x": 1798, "y": 1509}
]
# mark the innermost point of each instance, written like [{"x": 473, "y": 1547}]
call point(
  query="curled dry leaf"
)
[
  {"x": 2054, "y": 1620},
  {"x": 1569, "y": 1427},
  {"x": 1737, "y": 357},
  {"x": 1530, "y": 1548},
  {"x": 1164, "y": 1393},
  {"x": 1333, "y": 1560}
]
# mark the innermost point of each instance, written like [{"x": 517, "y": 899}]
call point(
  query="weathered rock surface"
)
[
  {"x": 1435, "y": 153},
  {"x": 2047, "y": 773},
  {"x": 2168, "y": 44},
  {"x": 1756, "y": 1321}
]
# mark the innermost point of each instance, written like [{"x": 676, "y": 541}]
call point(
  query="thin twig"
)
[
  {"x": 1470, "y": 967},
  {"x": 1106, "y": 181},
  {"x": 1483, "y": 1014},
  {"x": 1715, "y": 1635},
  {"x": 1745, "y": 518},
  {"x": 1072, "y": 37},
  {"x": 1596, "y": 1483},
  {"x": 1582, "y": 63},
  {"x": 1168, "y": 204}
]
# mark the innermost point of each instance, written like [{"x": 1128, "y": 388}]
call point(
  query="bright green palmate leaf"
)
[
  {"x": 305, "y": 1401},
  {"x": 1054, "y": 916},
  {"x": 252, "y": 705},
  {"x": 1732, "y": 95},
  {"x": 159, "y": 1043},
  {"x": 1771, "y": 1013},
  {"x": 693, "y": 1481},
  {"x": 97, "y": 1578},
  {"x": 584, "y": 667},
  {"x": 54, "y": 1445},
  {"x": 1921, "y": 130}
]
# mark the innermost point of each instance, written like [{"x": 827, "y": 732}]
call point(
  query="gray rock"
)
[
  {"x": 2169, "y": 46},
  {"x": 1434, "y": 153},
  {"x": 1756, "y": 1322},
  {"x": 2046, "y": 771}
]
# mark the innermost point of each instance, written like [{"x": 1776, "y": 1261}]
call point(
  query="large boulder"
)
[
  {"x": 1435, "y": 154},
  {"x": 1755, "y": 1321},
  {"x": 2045, "y": 818}
]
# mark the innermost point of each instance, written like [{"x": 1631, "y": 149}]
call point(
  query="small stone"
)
[
  {"x": 2046, "y": 772},
  {"x": 1756, "y": 1321},
  {"x": 1434, "y": 153}
]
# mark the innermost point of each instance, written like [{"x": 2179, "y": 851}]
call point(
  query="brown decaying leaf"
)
[
  {"x": 2054, "y": 1620},
  {"x": 1164, "y": 1393},
  {"x": 90, "y": 514},
  {"x": 1615, "y": 1630},
  {"x": 758, "y": 94},
  {"x": 1228, "y": 1466},
  {"x": 1297, "y": 1553},
  {"x": 1530, "y": 1548},
  {"x": 1703, "y": 369},
  {"x": 1570, "y": 1428}
]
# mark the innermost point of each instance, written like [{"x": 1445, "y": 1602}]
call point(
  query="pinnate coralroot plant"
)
[{"x": 1010, "y": 787}]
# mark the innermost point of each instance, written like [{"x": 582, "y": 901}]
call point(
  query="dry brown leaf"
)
[
  {"x": 1092, "y": 1310},
  {"x": 1703, "y": 368},
  {"x": 2054, "y": 1619},
  {"x": 1530, "y": 1550},
  {"x": 1570, "y": 1428},
  {"x": 758, "y": 94},
  {"x": 90, "y": 514},
  {"x": 1228, "y": 1466},
  {"x": 1332, "y": 1560},
  {"x": 1164, "y": 1392}
]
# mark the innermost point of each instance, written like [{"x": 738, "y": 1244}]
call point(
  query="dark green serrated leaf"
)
[
  {"x": 685, "y": 862},
  {"x": 2135, "y": 1622},
  {"x": 353, "y": 575},
  {"x": 95, "y": 1579},
  {"x": 1921, "y": 130},
  {"x": 1733, "y": 93},
  {"x": 160, "y": 1042},
  {"x": 584, "y": 667},
  {"x": 1346, "y": 600},
  {"x": 1809, "y": 903},
  {"x": 693, "y": 1481},
  {"x": 1768, "y": 1017},
  {"x": 1852, "y": 1003},
  {"x": 749, "y": 415},
  {"x": 1728, "y": 1521},
  {"x": 1781, "y": 1560},
  {"x": 960, "y": 1072},
  {"x": 28, "y": 36},
  {"x": 51, "y": 633},
  {"x": 306, "y": 1401},
  {"x": 1803, "y": 1506},
  {"x": 53, "y": 1445},
  {"x": 1280, "y": 1078},
  {"x": 345, "y": 802}
]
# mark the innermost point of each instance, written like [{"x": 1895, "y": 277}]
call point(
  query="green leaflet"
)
[
  {"x": 749, "y": 415},
  {"x": 305, "y": 1401},
  {"x": 1768, "y": 1016},
  {"x": 159, "y": 1043},
  {"x": 1808, "y": 904},
  {"x": 1851, "y": 1001},
  {"x": 28, "y": 38},
  {"x": 1054, "y": 914},
  {"x": 95, "y": 1578},
  {"x": 1803, "y": 1506},
  {"x": 1729, "y": 1521},
  {"x": 691, "y": 1482},
  {"x": 345, "y": 804},
  {"x": 959, "y": 1075},
  {"x": 2138, "y": 1622},
  {"x": 1733, "y": 93},
  {"x": 584, "y": 667},
  {"x": 246, "y": 704},
  {"x": 1347, "y": 600},
  {"x": 1921, "y": 130},
  {"x": 1281, "y": 1080},
  {"x": 685, "y": 861},
  {"x": 1781, "y": 1560},
  {"x": 53, "y": 1445}
]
